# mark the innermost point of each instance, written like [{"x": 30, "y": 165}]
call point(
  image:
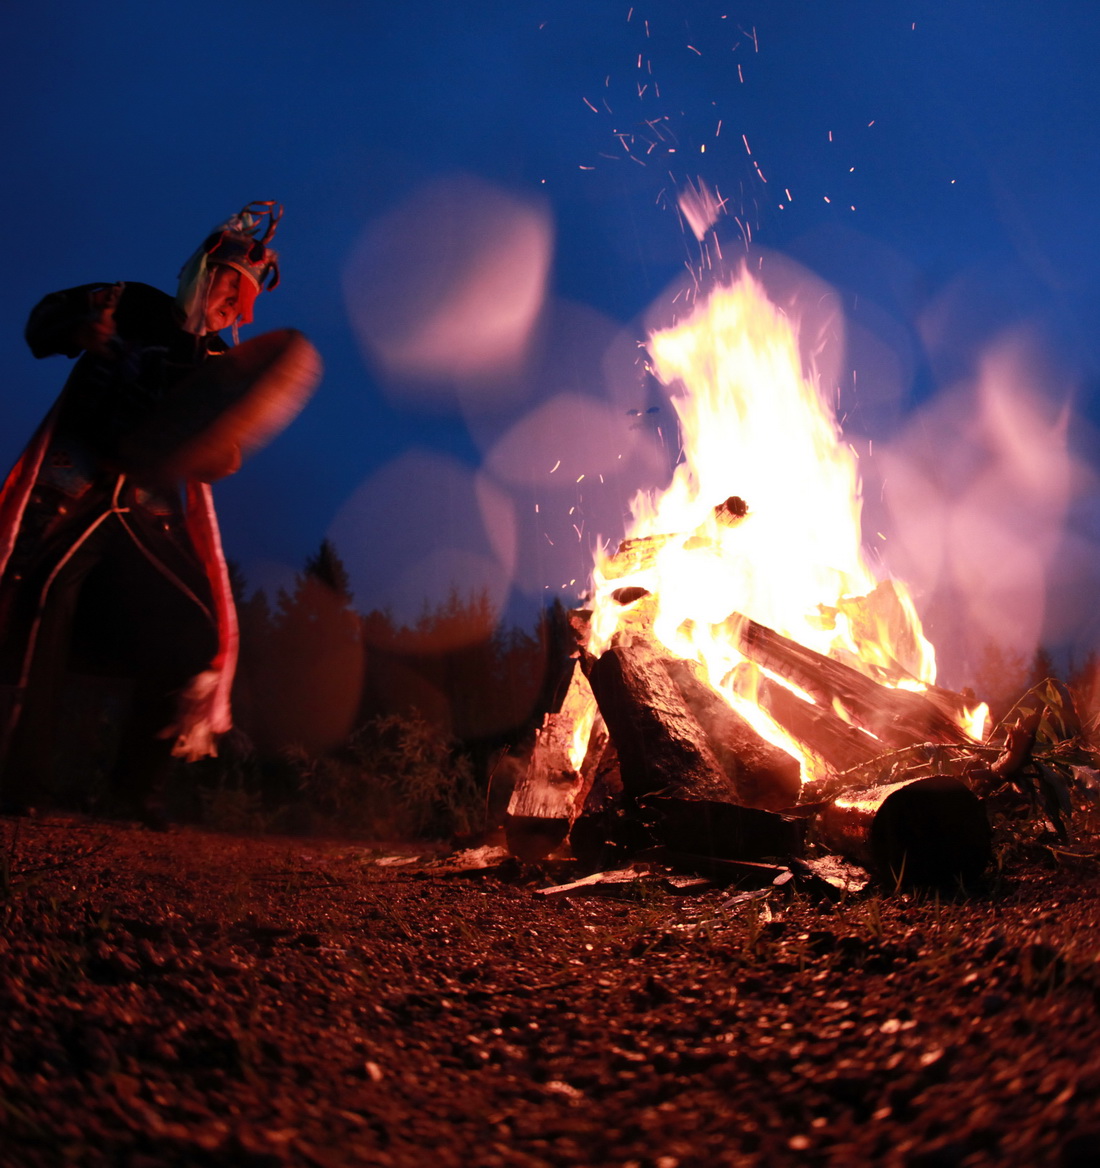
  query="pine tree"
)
[
  {"x": 310, "y": 690},
  {"x": 1001, "y": 678}
]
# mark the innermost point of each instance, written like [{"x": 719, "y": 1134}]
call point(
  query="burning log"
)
[
  {"x": 661, "y": 746},
  {"x": 670, "y": 774},
  {"x": 930, "y": 831},
  {"x": 638, "y": 554},
  {"x": 818, "y": 730},
  {"x": 602, "y": 831},
  {"x": 552, "y": 792},
  {"x": 763, "y": 775},
  {"x": 897, "y": 717}
]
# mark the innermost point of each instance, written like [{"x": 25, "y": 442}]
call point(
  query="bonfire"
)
[{"x": 746, "y": 685}]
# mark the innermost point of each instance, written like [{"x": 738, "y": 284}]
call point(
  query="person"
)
[{"x": 108, "y": 574}]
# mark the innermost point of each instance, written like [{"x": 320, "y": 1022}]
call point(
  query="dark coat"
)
[{"x": 70, "y": 515}]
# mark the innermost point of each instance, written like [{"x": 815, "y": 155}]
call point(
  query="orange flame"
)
[{"x": 762, "y": 516}]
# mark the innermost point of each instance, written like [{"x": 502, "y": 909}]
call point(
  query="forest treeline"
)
[
  {"x": 357, "y": 722},
  {"x": 312, "y": 667}
]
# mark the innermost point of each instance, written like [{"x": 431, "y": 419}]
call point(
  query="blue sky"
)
[{"x": 963, "y": 135}]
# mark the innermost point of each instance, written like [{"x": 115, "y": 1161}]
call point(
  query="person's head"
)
[
  {"x": 224, "y": 295},
  {"x": 220, "y": 282}
]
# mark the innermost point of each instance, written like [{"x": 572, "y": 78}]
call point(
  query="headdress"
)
[{"x": 239, "y": 243}]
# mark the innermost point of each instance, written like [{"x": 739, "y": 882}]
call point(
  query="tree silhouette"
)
[
  {"x": 304, "y": 666},
  {"x": 1000, "y": 679}
]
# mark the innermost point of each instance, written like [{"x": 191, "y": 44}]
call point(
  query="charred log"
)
[
  {"x": 661, "y": 746},
  {"x": 722, "y": 830},
  {"x": 550, "y": 795},
  {"x": 818, "y": 730},
  {"x": 763, "y": 775},
  {"x": 603, "y": 833},
  {"x": 926, "y": 832},
  {"x": 897, "y": 717}
]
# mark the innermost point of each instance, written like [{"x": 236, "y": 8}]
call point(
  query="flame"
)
[{"x": 762, "y": 517}]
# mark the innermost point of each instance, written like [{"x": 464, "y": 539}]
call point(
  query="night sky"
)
[{"x": 481, "y": 216}]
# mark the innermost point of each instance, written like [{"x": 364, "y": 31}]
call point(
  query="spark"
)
[
  {"x": 578, "y": 531},
  {"x": 590, "y": 105},
  {"x": 630, "y": 14},
  {"x": 830, "y": 135},
  {"x": 719, "y": 130},
  {"x": 748, "y": 149},
  {"x": 870, "y": 123},
  {"x": 759, "y": 171},
  {"x": 787, "y": 192},
  {"x": 587, "y": 168},
  {"x": 555, "y": 466},
  {"x": 580, "y": 479},
  {"x": 695, "y": 50},
  {"x": 826, "y": 198},
  {"x": 740, "y": 75},
  {"x": 851, "y": 169},
  {"x": 548, "y": 539}
]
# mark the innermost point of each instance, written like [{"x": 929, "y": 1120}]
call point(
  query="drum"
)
[{"x": 230, "y": 406}]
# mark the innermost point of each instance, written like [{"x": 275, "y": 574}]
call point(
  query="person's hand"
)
[{"x": 98, "y": 330}]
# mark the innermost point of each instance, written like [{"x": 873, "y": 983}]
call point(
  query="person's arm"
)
[{"x": 75, "y": 321}]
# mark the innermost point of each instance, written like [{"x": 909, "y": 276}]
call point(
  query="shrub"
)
[{"x": 397, "y": 776}]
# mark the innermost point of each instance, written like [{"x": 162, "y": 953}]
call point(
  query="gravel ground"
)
[{"x": 202, "y": 999}]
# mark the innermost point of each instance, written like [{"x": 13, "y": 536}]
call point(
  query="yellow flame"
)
[{"x": 755, "y": 426}]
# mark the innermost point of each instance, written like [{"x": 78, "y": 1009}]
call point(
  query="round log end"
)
[{"x": 931, "y": 832}]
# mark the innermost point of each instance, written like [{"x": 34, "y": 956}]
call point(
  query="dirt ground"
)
[{"x": 202, "y": 999}]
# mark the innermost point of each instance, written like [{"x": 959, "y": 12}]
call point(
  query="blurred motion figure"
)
[{"x": 111, "y": 573}]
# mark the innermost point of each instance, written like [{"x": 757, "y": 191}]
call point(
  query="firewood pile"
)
[{"x": 667, "y": 764}]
